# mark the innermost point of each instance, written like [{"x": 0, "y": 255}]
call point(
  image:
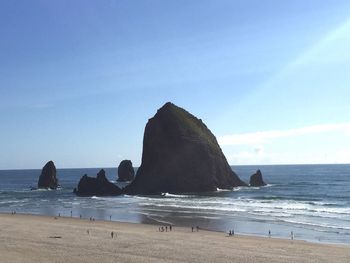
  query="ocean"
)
[{"x": 313, "y": 201}]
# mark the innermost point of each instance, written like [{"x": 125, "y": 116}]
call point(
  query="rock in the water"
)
[
  {"x": 99, "y": 186},
  {"x": 125, "y": 171},
  {"x": 180, "y": 154},
  {"x": 48, "y": 177},
  {"x": 256, "y": 179}
]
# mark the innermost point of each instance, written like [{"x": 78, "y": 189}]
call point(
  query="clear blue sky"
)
[{"x": 79, "y": 79}]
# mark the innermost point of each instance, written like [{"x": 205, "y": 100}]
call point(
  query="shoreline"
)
[
  {"x": 39, "y": 238},
  {"x": 313, "y": 217},
  {"x": 157, "y": 224}
]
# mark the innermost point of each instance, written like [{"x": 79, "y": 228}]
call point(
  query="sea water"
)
[{"x": 313, "y": 201}]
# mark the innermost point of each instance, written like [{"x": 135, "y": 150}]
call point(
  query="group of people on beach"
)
[
  {"x": 162, "y": 228},
  {"x": 231, "y": 232},
  {"x": 197, "y": 228},
  {"x": 80, "y": 216}
]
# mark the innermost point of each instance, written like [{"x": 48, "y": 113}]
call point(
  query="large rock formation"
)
[
  {"x": 48, "y": 177},
  {"x": 256, "y": 179},
  {"x": 99, "y": 186},
  {"x": 180, "y": 154},
  {"x": 125, "y": 171}
]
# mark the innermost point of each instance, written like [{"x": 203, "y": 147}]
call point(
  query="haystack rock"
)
[
  {"x": 48, "y": 177},
  {"x": 125, "y": 171},
  {"x": 99, "y": 186},
  {"x": 180, "y": 154},
  {"x": 257, "y": 179}
]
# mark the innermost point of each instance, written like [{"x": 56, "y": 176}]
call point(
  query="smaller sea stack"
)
[
  {"x": 125, "y": 171},
  {"x": 257, "y": 179},
  {"x": 99, "y": 186},
  {"x": 48, "y": 177}
]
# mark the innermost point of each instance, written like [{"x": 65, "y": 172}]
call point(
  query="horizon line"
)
[{"x": 231, "y": 165}]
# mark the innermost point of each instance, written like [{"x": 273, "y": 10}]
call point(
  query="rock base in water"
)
[
  {"x": 125, "y": 171},
  {"x": 99, "y": 186},
  {"x": 48, "y": 177},
  {"x": 257, "y": 179}
]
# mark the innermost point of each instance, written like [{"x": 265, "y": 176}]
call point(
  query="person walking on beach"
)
[
  {"x": 292, "y": 235},
  {"x": 170, "y": 227},
  {"x": 112, "y": 234},
  {"x": 269, "y": 233},
  {"x": 166, "y": 228},
  {"x": 192, "y": 229}
]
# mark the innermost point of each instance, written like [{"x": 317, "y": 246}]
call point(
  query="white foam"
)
[
  {"x": 319, "y": 224},
  {"x": 174, "y": 195},
  {"x": 223, "y": 190}
]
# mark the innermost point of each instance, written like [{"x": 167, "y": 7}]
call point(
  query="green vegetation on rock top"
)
[{"x": 189, "y": 124}]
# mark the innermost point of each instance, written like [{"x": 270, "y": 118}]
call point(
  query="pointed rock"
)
[
  {"x": 180, "y": 154},
  {"x": 48, "y": 177},
  {"x": 99, "y": 186},
  {"x": 125, "y": 171},
  {"x": 257, "y": 179}
]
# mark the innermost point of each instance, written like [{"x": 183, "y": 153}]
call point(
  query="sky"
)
[{"x": 80, "y": 79}]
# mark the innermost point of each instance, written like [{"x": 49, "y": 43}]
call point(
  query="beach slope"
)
[{"x": 27, "y": 238}]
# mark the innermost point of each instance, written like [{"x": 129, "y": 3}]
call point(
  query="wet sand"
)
[{"x": 28, "y": 238}]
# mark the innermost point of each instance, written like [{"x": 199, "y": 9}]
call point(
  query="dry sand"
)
[{"x": 27, "y": 238}]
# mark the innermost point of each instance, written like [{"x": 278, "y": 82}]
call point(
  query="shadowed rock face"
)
[
  {"x": 47, "y": 177},
  {"x": 256, "y": 179},
  {"x": 125, "y": 171},
  {"x": 180, "y": 154},
  {"x": 99, "y": 186}
]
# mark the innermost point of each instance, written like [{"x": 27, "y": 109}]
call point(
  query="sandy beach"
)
[{"x": 29, "y": 238}]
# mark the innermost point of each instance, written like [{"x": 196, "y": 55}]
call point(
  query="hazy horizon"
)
[
  {"x": 231, "y": 165},
  {"x": 79, "y": 80}
]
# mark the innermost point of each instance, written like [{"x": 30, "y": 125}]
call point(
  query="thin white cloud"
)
[
  {"x": 262, "y": 137},
  {"x": 251, "y": 158}
]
